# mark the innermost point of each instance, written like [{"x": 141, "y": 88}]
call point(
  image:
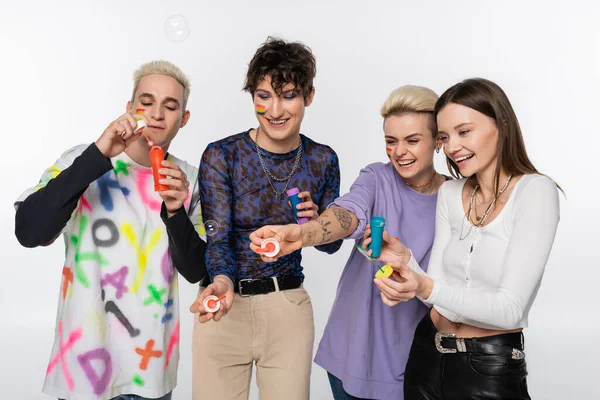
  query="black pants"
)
[
  {"x": 431, "y": 375},
  {"x": 338, "y": 391}
]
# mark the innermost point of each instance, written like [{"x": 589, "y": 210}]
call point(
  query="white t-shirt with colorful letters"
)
[{"x": 117, "y": 326}]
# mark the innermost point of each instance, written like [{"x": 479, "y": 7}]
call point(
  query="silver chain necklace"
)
[
  {"x": 278, "y": 195},
  {"x": 485, "y": 214}
]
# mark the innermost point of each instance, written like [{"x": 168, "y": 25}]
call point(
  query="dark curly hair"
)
[{"x": 285, "y": 63}]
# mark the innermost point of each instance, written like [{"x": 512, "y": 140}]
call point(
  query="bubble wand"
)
[
  {"x": 385, "y": 271},
  {"x": 212, "y": 303},
  {"x": 157, "y": 155}
]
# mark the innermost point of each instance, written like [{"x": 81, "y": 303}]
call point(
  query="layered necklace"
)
[
  {"x": 480, "y": 220},
  {"x": 271, "y": 177}
]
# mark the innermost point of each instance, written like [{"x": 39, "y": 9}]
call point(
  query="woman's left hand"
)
[{"x": 403, "y": 285}]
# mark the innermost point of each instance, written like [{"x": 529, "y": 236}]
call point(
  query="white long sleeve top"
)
[{"x": 494, "y": 285}]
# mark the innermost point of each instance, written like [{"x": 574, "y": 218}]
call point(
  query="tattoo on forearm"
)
[
  {"x": 343, "y": 217},
  {"x": 311, "y": 236},
  {"x": 325, "y": 230}
]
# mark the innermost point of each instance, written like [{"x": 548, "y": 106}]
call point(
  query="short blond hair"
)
[
  {"x": 411, "y": 99},
  {"x": 161, "y": 67}
]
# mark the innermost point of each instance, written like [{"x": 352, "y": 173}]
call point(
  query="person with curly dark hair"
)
[{"x": 266, "y": 315}]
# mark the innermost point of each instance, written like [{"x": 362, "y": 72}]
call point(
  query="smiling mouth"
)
[
  {"x": 277, "y": 122},
  {"x": 464, "y": 158},
  {"x": 407, "y": 163}
]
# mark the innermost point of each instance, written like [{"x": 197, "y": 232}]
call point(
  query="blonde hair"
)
[
  {"x": 161, "y": 67},
  {"x": 411, "y": 99}
]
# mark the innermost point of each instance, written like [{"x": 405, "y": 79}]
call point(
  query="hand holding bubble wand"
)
[
  {"x": 377, "y": 226},
  {"x": 157, "y": 154}
]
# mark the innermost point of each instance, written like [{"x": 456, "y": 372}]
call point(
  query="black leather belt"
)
[
  {"x": 506, "y": 345},
  {"x": 251, "y": 287}
]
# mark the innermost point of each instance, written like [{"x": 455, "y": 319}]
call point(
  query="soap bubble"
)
[
  {"x": 177, "y": 28},
  {"x": 211, "y": 227}
]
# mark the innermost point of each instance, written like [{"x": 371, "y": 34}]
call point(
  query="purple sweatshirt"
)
[{"x": 366, "y": 343}]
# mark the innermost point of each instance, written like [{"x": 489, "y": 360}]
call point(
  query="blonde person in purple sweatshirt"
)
[
  {"x": 495, "y": 229},
  {"x": 366, "y": 343}
]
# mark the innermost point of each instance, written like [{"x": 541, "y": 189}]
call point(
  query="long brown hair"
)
[{"x": 489, "y": 99}]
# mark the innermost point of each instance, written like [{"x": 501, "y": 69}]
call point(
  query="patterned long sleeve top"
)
[{"x": 237, "y": 199}]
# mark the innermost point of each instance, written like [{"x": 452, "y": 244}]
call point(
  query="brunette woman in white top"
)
[{"x": 494, "y": 231}]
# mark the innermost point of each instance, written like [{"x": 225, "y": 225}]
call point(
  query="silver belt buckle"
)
[
  {"x": 460, "y": 343},
  {"x": 240, "y": 287},
  {"x": 517, "y": 354}
]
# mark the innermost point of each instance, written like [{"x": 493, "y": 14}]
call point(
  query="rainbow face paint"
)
[
  {"x": 388, "y": 151},
  {"x": 260, "y": 109},
  {"x": 139, "y": 110}
]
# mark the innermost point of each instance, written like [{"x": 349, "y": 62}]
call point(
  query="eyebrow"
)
[
  {"x": 269, "y": 92},
  {"x": 461, "y": 125},
  {"x": 457, "y": 127},
  {"x": 412, "y": 135},
  {"x": 166, "y": 100}
]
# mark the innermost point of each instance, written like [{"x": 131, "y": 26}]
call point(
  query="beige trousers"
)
[{"x": 275, "y": 331}]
